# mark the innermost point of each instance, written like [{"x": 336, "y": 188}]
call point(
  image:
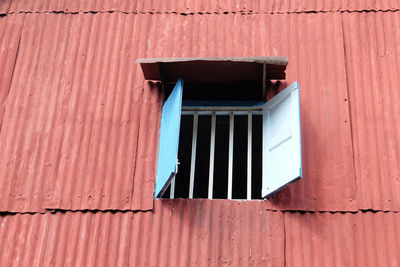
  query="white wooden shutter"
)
[
  {"x": 281, "y": 140},
  {"x": 169, "y": 139}
]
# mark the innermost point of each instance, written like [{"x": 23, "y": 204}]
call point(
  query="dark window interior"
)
[
  {"x": 219, "y": 91},
  {"x": 241, "y": 93},
  {"x": 239, "y": 180}
]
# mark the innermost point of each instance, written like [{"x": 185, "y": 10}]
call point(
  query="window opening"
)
[
  {"x": 220, "y": 102},
  {"x": 220, "y": 156}
]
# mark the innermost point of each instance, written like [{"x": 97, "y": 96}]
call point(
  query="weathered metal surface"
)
[
  {"x": 10, "y": 30},
  {"x": 350, "y": 239},
  {"x": 80, "y": 131},
  {"x": 70, "y": 130},
  {"x": 146, "y": 165},
  {"x": 78, "y": 116},
  {"x": 204, "y": 7},
  {"x": 78, "y": 151},
  {"x": 66, "y": 239},
  {"x": 4, "y": 6},
  {"x": 176, "y": 233},
  {"x": 373, "y": 65},
  {"x": 200, "y": 233}
]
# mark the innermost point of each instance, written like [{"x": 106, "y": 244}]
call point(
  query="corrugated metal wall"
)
[
  {"x": 82, "y": 147},
  {"x": 373, "y": 65},
  {"x": 70, "y": 130},
  {"x": 200, "y": 233},
  {"x": 79, "y": 131},
  {"x": 177, "y": 233},
  {"x": 206, "y": 6}
]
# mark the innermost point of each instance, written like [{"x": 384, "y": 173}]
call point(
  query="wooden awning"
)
[{"x": 214, "y": 69}]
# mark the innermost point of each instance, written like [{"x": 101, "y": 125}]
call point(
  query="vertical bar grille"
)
[{"x": 219, "y": 154}]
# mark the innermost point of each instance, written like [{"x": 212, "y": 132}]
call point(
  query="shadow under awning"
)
[{"x": 214, "y": 69}]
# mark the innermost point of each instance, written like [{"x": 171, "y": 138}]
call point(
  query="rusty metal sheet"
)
[
  {"x": 71, "y": 125},
  {"x": 10, "y": 32},
  {"x": 204, "y": 7},
  {"x": 349, "y": 239},
  {"x": 373, "y": 64},
  {"x": 314, "y": 45},
  {"x": 176, "y": 233}
]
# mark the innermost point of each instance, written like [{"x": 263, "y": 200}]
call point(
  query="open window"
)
[{"x": 226, "y": 141}]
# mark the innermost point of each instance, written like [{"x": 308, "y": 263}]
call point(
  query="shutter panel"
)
[
  {"x": 169, "y": 139},
  {"x": 281, "y": 140}
]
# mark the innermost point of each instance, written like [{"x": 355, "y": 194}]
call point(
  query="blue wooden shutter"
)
[
  {"x": 281, "y": 140},
  {"x": 169, "y": 139}
]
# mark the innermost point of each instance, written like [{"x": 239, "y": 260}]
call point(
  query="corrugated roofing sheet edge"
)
[{"x": 202, "y": 7}]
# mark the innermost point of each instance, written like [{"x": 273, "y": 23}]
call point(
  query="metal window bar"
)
[
  {"x": 193, "y": 158},
  {"x": 212, "y": 153},
  {"x": 230, "y": 155},
  {"x": 172, "y": 190},
  {"x": 214, "y": 111},
  {"x": 249, "y": 144}
]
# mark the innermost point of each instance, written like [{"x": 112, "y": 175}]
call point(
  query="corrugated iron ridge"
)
[
  {"x": 232, "y": 202},
  {"x": 45, "y": 211},
  {"x": 244, "y": 12}
]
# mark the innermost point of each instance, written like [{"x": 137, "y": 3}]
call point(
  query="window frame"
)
[{"x": 292, "y": 92}]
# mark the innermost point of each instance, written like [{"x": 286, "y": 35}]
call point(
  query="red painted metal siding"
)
[
  {"x": 373, "y": 65},
  {"x": 204, "y": 7},
  {"x": 70, "y": 131},
  {"x": 10, "y": 31},
  {"x": 4, "y": 6},
  {"x": 176, "y": 233},
  {"x": 349, "y": 239},
  {"x": 79, "y": 150},
  {"x": 79, "y": 131},
  {"x": 200, "y": 233}
]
